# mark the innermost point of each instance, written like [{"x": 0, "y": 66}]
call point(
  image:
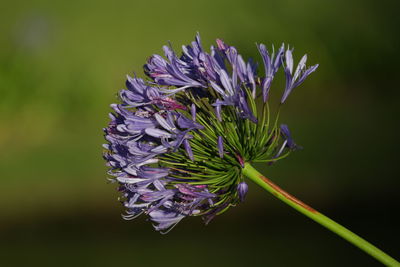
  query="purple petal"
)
[
  {"x": 221, "y": 45},
  {"x": 186, "y": 123},
  {"x": 278, "y": 58},
  {"x": 136, "y": 85},
  {"x": 244, "y": 108},
  {"x": 218, "y": 112},
  {"x": 300, "y": 67},
  {"x": 163, "y": 122},
  {"x": 250, "y": 77},
  {"x": 217, "y": 88},
  {"x": 220, "y": 146},
  {"x": 288, "y": 87},
  {"x": 152, "y": 173},
  {"x": 165, "y": 219},
  {"x": 289, "y": 61},
  {"x": 134, "y": 122},
  {"x": 266, "y": 84},
  {"x": 157, "y": 133},
  {"x": 241, "y": 68},
  {"x": 169, "y": 53},
  {"x": 157, "y": 195},
  {"x": 193, "y": 111},
  {"x": 270, "y": 68},
  {"x": 265, "y": 57},
  {"x": 131, "y": 98},
  {"x": 226, "y": 82},
  {"x": 194, "y": 191},
  {"x": 286, "y": 134},
  {"x": 168, "y": 103},
  {"x": 305, "y": 75},
  {"x": 130, "y": 180},
  {"x": 188, "y": 149}
]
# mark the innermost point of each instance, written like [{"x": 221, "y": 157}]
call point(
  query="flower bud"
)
[{"x": 242, "y": 190}]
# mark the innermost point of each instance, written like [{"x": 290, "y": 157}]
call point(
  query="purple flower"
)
[
  {"x": 246, "y": 73},
  {"x": 177, "y": 143},
  {"x": 173, "y": 72},
  {"x": 301, "y": 73},
  {"x": 271, "y": 66},
  {"x": 232, "y": 96},
  {"x": 288, "y": 137}
]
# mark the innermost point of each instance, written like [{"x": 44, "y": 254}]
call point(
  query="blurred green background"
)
[{"x": 61, "y": 65}]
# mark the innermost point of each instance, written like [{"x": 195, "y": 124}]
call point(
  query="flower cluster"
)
[{"x": 178, "y": 140}]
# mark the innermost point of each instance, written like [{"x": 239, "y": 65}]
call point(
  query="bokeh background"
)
[{"x": 61, "y": 65}]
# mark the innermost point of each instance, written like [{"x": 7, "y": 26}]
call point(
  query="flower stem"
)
[{"x": 359, "y": 242}]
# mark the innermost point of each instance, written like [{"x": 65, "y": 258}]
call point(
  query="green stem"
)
[{"x": 367, "y": 247}]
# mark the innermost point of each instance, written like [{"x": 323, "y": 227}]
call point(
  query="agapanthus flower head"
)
[{"x": 178, "y": 141}]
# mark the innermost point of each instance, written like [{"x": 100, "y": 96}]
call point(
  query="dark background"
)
[{"x": 61, "y": 65}]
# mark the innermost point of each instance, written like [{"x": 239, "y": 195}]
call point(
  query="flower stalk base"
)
[{"x": 338, "y": 229}]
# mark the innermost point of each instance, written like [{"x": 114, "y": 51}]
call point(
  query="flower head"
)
[{"x": 177, "y": 142}]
